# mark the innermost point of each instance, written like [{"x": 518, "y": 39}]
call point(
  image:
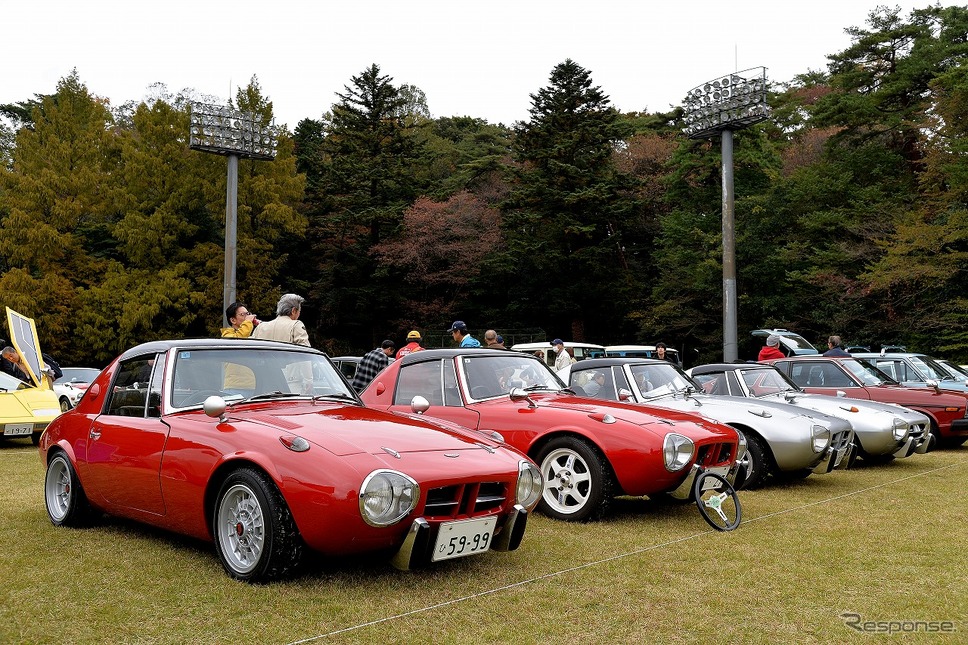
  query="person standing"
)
[
  {"x": 460, "y": 334},
  {"x": 413, "y": 344},
  {"x": 660, "y": 353},
  {"x": 771, "y": 350},
  {"x": 492, "y": 340},
  {"x": 371, "y": 364},
  {"x": 834, "y": 348},
  {"x": 242, "y": 322},
  {"x": 286, "y": 327},
  {"x": 562, "y": 358}
]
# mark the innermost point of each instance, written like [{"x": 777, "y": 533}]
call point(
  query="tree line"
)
[{"x": 582, "y": 222}]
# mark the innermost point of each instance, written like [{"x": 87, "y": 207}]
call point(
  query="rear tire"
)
[
  {"x": 578, "y": 481},
  {"x": 64, "y": 496},
  {"x": 255, "y": 536}
]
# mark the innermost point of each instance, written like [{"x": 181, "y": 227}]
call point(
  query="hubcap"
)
[{"x": 243, "y": 528}]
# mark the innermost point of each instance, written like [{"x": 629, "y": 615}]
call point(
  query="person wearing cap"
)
[
  {"x": 413, "y": 344},
  {"x": 562, "y": 359},
  {"x": 286, "y": 327},
  {"x": 372, "y": 363},
  {"x": 492, "y": 340},
  {"x": 459, "y": 331},
  {"x": 834, "y": 348},
  {"x": 771, "y": 350}
]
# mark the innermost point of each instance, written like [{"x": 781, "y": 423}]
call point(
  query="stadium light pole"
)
[
  {"x": 229, "y": 132},
  {"x": 717, "y": 108}
]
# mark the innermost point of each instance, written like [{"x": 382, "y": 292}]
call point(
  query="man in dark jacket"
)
[{"x": 833, "y": 343}]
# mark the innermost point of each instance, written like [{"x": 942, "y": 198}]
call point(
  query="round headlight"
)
[
  {"x": 677, "y": 451},
  {"x": 821, "y": 438},
  {"x": 387, "y": 496},
  {"x": 530, "y": 484},
  {"x": 900, "y": 429}
]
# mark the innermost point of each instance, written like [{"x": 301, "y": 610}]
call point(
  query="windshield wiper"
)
[
  {"x": 269, "y": 395},
  {"x": 339, "y": 396},
  {"x": 532, "y": 388}
]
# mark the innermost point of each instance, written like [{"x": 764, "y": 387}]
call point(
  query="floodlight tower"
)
[
  {"x": 716, "y": 109},
  {"x": 229, "y": 132}
]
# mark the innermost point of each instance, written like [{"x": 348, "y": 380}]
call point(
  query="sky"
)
[{"x": 482, "y": 59}]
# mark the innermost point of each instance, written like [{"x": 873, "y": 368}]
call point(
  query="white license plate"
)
[
  {"x": 18, "y": 429},
  {"x": 709, "y": 482},
  {"x": 464, "y": 537}
]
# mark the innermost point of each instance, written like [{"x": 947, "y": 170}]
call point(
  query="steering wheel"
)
[
  {"x": 199, "y": 396},
  {"x": 717, "y": 501}
]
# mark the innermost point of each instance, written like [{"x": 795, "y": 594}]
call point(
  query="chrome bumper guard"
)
[
  {"x": 832, "y": 459},
  {"x": 906, "y": 450},
  {"x": 416, "y": 547}
]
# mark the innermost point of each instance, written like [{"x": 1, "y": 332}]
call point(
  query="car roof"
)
[
  {"x": 437, "y": 354},
  {"x": 729, "y": 367},
  {"x": 158, "y": 346},
  {"x": 888, "y": 354},
  {"x": 617, "y": 360}
]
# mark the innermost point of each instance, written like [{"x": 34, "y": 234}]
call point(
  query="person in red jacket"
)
[
  {"x": 413, "y": 344},
  {"x": 771, "y": 350}
]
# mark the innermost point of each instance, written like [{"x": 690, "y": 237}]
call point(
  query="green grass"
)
[{"x": 885, "y": 542}]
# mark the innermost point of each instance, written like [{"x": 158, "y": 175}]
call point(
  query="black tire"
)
[
  {"x": 717, "y": 501},
  {"x": 65, "y": 404},
  {"x": 255, "y": 536},
  {"x": 64, "y": 496},
  {"x": 757, "y": 463},
  {"x": 578, "y": 481}
]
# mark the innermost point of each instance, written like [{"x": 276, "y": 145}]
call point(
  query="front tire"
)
[
  {"x": 758, "y": 462},
  {"x": 578, "y": 481},
  {"x": 64, "y": 496},
  {"x": 255, "y": 536}
]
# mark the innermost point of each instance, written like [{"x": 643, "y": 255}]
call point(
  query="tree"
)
[{"x": 564, "y": 220}]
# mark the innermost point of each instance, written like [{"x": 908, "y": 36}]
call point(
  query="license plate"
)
[
  {"x": 464, "y": 537},
  {"x": 18, "y": 429},
  {"x": 709, "y": 483}
]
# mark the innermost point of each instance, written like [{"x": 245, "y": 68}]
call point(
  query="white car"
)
[{"x": 67, "y": 395}]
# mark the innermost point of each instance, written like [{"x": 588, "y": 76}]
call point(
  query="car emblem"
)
[{"x": 452, "y": 455}]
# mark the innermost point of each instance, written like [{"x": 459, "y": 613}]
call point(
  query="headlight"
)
[
  {"x": 530, "y": 484},
  {"x": 677, "y": 451},
  {"x": 386, "y": 497},
  {"x": 821, "y": 438},
  {"x": 900, "y": 429}
]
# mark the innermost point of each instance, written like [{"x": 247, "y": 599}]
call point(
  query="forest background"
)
[{"x": 583, "y": 222}]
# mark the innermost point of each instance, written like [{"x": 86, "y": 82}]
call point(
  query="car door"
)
[
  {"x": 823, "y": 377},
  {"x": 436, "y": 381},
  {"x": 127, "y": 440}
]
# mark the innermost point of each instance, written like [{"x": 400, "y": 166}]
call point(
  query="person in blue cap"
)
[
  {"x": 459, "y": 331},
  {"x": 562, "y": 360}
]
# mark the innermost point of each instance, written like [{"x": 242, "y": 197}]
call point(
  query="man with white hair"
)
[{"x": 286, "y": 327}]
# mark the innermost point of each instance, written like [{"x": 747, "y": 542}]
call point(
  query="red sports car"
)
[
  {"x": 858, "y": 379},
  {"x": 264, "y": 448},
  {"x": 588, "y": 449}
]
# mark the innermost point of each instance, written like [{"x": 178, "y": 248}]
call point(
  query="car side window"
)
[
  {"x": 419, "y": 379},
  {"x": 129, "y": 397}
]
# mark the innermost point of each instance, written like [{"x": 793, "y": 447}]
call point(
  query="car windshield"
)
[
  {"x": 78, "y": 375},
  {"x": 248, "y": 373},
  {"x": 491, "y": 376},
  {"x": 930, "y": 369},
  {"x": 654, "y": 381},
  {"x": 869, "y": 375},
  {"x": 956, "y": 372},
  {"x": 10, "y": 383},
  {"x": 767, "y": 382}
]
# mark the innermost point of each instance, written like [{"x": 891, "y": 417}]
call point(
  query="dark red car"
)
[
  {"x": 265, "y": 449},
  {"x": 857, "y": 379},
  {"x": 588, "y": 449}
]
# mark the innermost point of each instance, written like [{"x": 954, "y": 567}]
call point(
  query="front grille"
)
[
  {"x": 716, "y": 454},
  {"x": 465, "y": 500},
  {"x": 917, "y": 430},
  {"x": 840, "y": 440}
]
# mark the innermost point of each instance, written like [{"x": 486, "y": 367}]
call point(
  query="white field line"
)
[{"x": 603, "y": 560}]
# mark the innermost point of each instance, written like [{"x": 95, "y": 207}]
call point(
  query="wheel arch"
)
[
  {"x": 218, "y": 477},
  {"x": 535, "y": 449}
]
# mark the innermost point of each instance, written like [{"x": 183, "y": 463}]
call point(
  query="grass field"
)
[{"x": 885, "y": 543}]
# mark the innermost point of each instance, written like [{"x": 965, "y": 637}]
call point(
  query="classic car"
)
[
  {"x": 26, "y": 406},
  {"x": 641, "y": 351},
  {"x": 955, "y": 371},
  {"x": 791, "y": 343},
  {"x": 788, "y": 439},
  {"x": 264, "y": 449},
  {"x": 347, "y": 365},
  {"x": 588, "y": 449},
  {"x": 881, "y": 431},
  {"x": 67, "y": 395},
  {"x": 78, "y": 377},
  {"x": 913, "y": 370},
  {"x": 580, "y": 351},
  {"x": 947, "y": 410}
]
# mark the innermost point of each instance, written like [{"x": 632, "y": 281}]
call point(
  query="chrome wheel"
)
[
  {"x": 576, "y": 480},
  {"x": 242, "y": 529},
  {"x": 57, "y": 489}
]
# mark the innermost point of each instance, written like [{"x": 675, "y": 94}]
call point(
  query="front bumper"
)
[
  {"x": 417, "y": 546},
  {"x": 839, "y": 455}
]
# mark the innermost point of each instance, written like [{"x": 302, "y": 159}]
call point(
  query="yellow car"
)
[{"x": 26, "y": 407}]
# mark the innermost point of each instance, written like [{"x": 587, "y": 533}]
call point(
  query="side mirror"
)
[
  {"x": 518, "y": 394},
  {"x": 214, "y": 406},
  {"x": 624, "y": 395},
  {"x": 419, "y": 404}
]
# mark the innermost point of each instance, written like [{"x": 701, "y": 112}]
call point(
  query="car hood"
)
[
  {"x": 838, "y": 406},
  {"x": 659, "y": 420},
  {"x": 346, "y": 430}
]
